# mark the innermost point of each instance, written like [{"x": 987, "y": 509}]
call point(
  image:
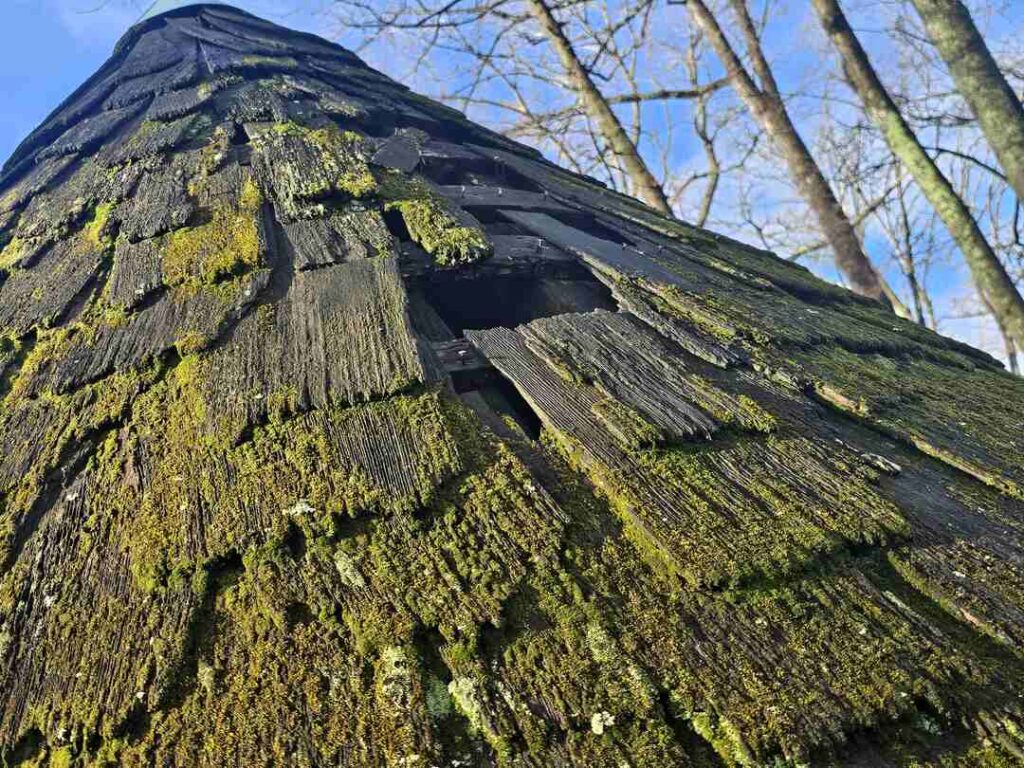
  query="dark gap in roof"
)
[
  {"x": 504, "y": 399},
  {"x": 457, "y": 300},
  {"x": 485, "y": 214},
  {"x": 497, "y": 403},
  {"x": 453, "y": 732},
  {"x": 396, "y": 225},
  {"x": 471, "y": 379},
  {"x": 240, "y": 136},
  {"x": 349, "y": 527},
  {"x": 298, "y": 614},
  {"x": 480, "y": 171},
  {"x": 378, "y": 125},
  {"x": 468, "y": 300},
  {"x": 26, "y": 748},
  {"x": 135, "y": 723},
  {"x": 222, "y": 573},
  {"x": 428, "y": 642},
  {"x": 590, "y": 225},
  {"x": 200, "y": 215},
  {"x": 506, "y": 228}
]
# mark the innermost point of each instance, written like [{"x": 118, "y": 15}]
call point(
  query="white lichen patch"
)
[
  {"x": 348, "y": 571},
  {"x": 600, "y": 721}
]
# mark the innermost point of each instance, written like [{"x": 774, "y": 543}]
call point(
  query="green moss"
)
[
  {"x": 109, "y": 753},
  {"x": 341, "y": 159},
  {"x": 760, "y": 506},
  {"x": 431, "y": 222},
  {"x": 722, "y": 735},
  {"x": 211, "y": 157},
  {"x": 355, "y": 177},
  {"x": 432, "y": 226},
  {"x": 920, "y": 402},
  {"x": 278, "y": 62},
  {"x": 96, "y": 230},
  {"x": 289, "y": 128},
  {"x": 465, "y": 692},
  {"x": 209, "y": 87},
  {"x": 227, "y": 246},
  {"x": 629, "y": 427},
  {"x": 62, "y": 758},
  {"x": 12, "y": 253},
  {"x": 755, "y": 417}
]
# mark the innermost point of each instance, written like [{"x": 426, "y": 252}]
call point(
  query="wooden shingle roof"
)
[{"x": 339, "y": 430}]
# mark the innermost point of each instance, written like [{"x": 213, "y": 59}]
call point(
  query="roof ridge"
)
[{"x": 160, "y": 7}]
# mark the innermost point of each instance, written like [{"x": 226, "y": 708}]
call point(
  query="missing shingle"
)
[{"x": 508, "y": 300}]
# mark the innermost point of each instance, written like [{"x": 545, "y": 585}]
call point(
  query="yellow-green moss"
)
[
  {"x": 628, "y": 426},
  {"x": 431, "y": 222},
  {"x": 436, "y": 230},
  {"x": 209, "y": 87},
  {"x": 96, "y": 231},
  {"x": 723, "y": 736},
  {"x": 12, "y": 252},
  {"x": 355, "y": 179},
  {"x": 62, "y": 758},
  {"x": 228, "y": 245},
  {"x": 284, "y": 62},
  {"x": 343, "y": 159},
  {"x": 212, "y": 155},
  {"x": 921, "y": 402}
]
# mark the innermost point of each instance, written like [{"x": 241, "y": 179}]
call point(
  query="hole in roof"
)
[
  {"x": 508, "y": 300},
  {"x": 504, "y": 399},
  {"x": 506, "y": 228},
  {"x": 395, "y": 223},
  {"x": 476, "y": 171},
  {"x": 497, "y": 403},
  {"x": 239, "y": 136}
]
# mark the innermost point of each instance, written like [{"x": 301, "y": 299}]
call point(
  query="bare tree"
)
[
  {"x": 573, "y": 77},
  {"x": 993, "y": 283},
  {"x": 648, "y": 188},
  {"x": 766, "y": 104},
  {"x": 979, "y": 81},
  {"x": 912, "y": 244},
  {"x": 712, "y": 157}
]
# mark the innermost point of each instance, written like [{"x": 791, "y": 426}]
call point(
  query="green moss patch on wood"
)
[
  {"x": 444, "y": 232},
  {"x": 229, "y": 245},
  {"x": 304, "y": 165},
  {"x": 970, "y": 419}
]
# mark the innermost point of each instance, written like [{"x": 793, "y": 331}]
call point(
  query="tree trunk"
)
[
  {"x": 979, "y": 81},
  {"x": 647, "y": 187},
  {"x": 990, "y": 277},
  {"x": 766, "y": 105}
]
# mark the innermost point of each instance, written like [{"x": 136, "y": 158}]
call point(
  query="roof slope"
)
[{"x": 338, "y": 430}]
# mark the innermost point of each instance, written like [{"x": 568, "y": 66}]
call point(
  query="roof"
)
[
  {"x": 338, "y": 429},
  {"x": 164, "y": 6}
]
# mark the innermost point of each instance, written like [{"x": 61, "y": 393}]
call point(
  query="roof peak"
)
[{"x": 164, "y": 6}]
